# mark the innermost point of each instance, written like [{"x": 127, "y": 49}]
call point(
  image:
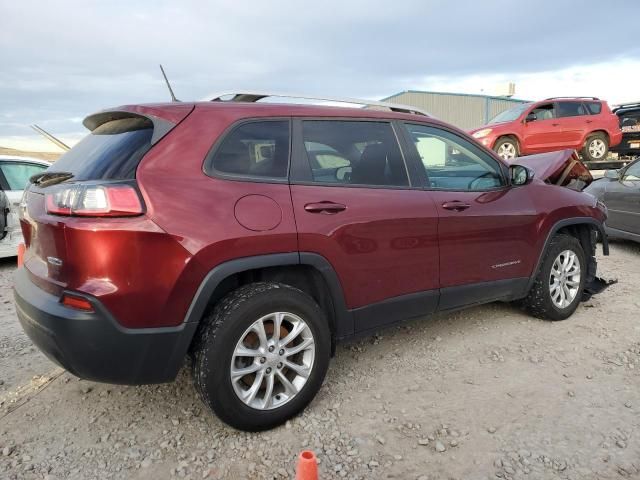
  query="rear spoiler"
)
[{"x": 164, "y": 120}]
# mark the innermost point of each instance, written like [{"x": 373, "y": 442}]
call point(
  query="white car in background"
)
[{"x": 14, "y": 177}]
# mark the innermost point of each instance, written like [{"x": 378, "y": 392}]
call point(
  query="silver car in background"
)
[{"x": 14, "y": 177}]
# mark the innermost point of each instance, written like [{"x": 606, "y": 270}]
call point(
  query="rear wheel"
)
[
  {"x": 507, "y": 148},
  {"x": 262, "y": 355},
  {"x": 557, "y": 289},
  {"x": 596, "y": 147}
]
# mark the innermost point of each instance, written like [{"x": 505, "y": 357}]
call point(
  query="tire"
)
[
  {"x": 596, "y": 147},
  {"x": 539, "y": 302},
  {"x": 507, "y": 148},
  {"x": 219, "y": 341}
]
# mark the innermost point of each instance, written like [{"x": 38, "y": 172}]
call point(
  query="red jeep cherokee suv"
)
[
  {"x": 584, "y": 123},
  {"x": 254, "y": 236}
]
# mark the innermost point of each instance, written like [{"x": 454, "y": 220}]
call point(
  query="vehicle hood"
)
[
  {"x": 562, "y": 168},
  {"x": 493, "y": 126}
]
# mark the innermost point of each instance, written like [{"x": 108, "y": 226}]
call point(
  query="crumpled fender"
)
[{"x": 563, "y": 168}]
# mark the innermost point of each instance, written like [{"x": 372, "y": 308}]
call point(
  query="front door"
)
[
  {"x": 486, "y": 229},
  {"x": 544, "y": 133},
  {"x": 622, "y": 199},
  {"x": 354, "y": 205}
]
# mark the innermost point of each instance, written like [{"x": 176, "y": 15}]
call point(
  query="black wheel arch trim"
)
[
  {"x": 342, "y": 318},
  {"x": 566, "y": 223}
]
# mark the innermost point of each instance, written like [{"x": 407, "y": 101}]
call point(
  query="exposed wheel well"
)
[
  {"x": 603, "y": 132},
  {"x": 587, "y": 235},
  {"x": 304, "y": 277}
]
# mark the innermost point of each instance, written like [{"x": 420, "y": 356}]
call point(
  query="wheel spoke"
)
[
  {"x": 242, "y": 351},
  {"x": 299, "y": 369},
  {"x": 573, "y": 283},
  {"x": 258, "y": 328},
  {"x": 268, "y": 392},
  {"x": 250, "y": 394},
  {"x": 277, "y": 322},
  {"x": 238, "y": 373},
  {"x": 297, "y": 330},
  {"x": 298, "y": 348},
  {"x": 289, "y": 387}
]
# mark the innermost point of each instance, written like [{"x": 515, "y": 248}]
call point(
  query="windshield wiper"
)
[{"x": 50, "y": 178}]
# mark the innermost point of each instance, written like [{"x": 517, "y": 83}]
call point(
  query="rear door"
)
[
  {"x": 622, "y": 199},
  {"x": 486, "y": 229},
  {"x": 544, "y": 133},
  {"x": 574, "y": 122},
  {"x": 356, "y": 205}
]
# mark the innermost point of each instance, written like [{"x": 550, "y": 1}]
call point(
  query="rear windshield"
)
[{"x": 111, "y": 152}]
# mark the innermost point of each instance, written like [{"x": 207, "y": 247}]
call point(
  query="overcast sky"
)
[{"x": 63, "y": 60}]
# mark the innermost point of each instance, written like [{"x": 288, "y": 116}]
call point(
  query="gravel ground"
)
[{"x": 483, "y": 393}]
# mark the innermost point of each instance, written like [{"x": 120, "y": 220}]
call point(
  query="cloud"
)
[{"x": 63, "y": 60}]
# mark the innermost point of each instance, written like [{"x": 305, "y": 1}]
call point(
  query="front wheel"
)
[
  {"x": 507, "y": 148},
  {"x": 262, "y": 355},
  {"x": 557, "y": 288}
]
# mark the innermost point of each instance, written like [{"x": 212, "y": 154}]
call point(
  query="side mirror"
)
[
  {"x": 532, "y": 117},
  {"x": 612, "y": 174},
  {"x": 520, "y": 175}
]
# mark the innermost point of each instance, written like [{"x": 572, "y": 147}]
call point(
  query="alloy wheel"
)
[
  {"x": 507, "y": 151},
  {"x": 272, "y": 360},
  {"x": 597, "y": 148},
  {"x": 564, "y": 279}
]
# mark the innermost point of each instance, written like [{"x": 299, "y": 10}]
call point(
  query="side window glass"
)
[
  {"x": 353, "y": 153},
  {"x": 18, "y": 174},
  {"x": 453, "y": 163},
  {"x": 571, "y": 109},
  {"x": 594, "y": 108},
  {"x": 632, "y": 173},
  {"x": 254, "y": 149},
  {"x": 544, "y": 112}
]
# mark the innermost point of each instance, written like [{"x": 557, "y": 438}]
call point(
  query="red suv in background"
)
[
  {"x": 254, "y": 236},
  {"x": 584, "y": 124}
]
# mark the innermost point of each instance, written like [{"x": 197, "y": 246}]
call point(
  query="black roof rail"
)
[{"x": 570, "y": 98}]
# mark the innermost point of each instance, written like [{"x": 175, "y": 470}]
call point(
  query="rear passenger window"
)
[
  {"x": 571, "y": 109},
  {"x": 353, "y": 153},
  {"x": 594, "y": 108},
  {"x": 254, "y": 149}
]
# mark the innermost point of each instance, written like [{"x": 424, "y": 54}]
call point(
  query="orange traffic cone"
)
[
  {"x": 307, "y": 468},
  {"x": 21, "y": 249}
]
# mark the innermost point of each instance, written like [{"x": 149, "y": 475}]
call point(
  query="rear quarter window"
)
[
  {"x": 594, "y": 108},
  {"x": 110, "y": 152}
]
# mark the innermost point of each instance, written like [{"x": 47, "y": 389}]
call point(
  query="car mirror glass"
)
[
  {"x": 520, "y": 175},
  {"x": 531, "y": 117}
]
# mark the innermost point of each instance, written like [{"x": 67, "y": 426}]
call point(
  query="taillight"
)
[{"x": 116, "y": 200}]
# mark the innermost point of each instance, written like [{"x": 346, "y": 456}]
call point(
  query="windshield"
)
[{"x": 510, "y": 115}]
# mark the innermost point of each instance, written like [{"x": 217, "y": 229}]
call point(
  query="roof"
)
[
  {"x": 490, "y": 97},
  {"x": 264, "y": 109}
]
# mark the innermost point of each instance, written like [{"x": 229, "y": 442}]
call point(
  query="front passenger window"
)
[{"x": 453, "y": 163}]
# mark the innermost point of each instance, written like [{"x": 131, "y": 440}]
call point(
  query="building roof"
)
[{"x": 492, "y": 97}]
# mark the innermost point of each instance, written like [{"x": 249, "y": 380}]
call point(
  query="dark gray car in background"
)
[{"x": 619, "y": 190}]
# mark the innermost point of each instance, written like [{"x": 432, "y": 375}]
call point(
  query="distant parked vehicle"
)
[
  {"x": 629, "y": 118},
  {"x": 581, "y": 123},
  {"x": 619, "y": 190},
  {"x": 14, "y": 177}
]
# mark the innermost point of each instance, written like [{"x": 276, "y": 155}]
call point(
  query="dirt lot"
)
[{"x": 483, "y": 393}]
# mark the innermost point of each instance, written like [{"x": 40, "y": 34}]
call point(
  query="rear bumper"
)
[{"x": 92, "y": 345}]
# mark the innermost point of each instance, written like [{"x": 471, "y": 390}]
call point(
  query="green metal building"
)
[{"x": 463, "y": 110}]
